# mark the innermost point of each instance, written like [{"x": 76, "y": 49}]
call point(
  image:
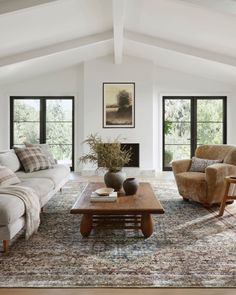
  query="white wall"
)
[
  {"x": 175, "y": 83},
  {"x": 63, "y": 83},
  {"x": 84, "y": 82},
  {"x": 131, "y": 70}
]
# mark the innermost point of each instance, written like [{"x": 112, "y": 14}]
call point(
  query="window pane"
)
[
  {"x": 177, "y": 110},
  {"x": 179, "y": 133},
  {"x": 59, "y": 133},
  {"x": 176, "y": 152},
  {"x": 58, "y": 126},
  {"x": 62, "y": 153},
  {"x": 209, "y": 110},
  {"x": 26, "y": 131},
  {"x": 177, "y": 130},
  {"x": 190, "y": 122},
  {"x": 209, "y": 133},
  {"x": 26, "y": 109},
  {"x": 59, "y": 110}
]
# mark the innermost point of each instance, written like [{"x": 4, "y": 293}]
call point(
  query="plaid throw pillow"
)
[
  {"x": 45, "y": 149},
  {"x": 32, "y": 159},
  {"x": 7, "y": 177}
]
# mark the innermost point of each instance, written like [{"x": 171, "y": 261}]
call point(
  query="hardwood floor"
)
[
  {"x": 163, "y": 176},
  {"x": 101, "y": 291}
]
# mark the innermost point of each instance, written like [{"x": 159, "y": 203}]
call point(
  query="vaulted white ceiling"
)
[{"x": 194, "y": 36}]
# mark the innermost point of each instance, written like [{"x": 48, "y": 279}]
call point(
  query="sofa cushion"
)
[
  {"x": 8, "y": 231},
  {"x": 56, "y": 174},
  {"x": 45, "y": 149},
  {"x": 7, "y": 177},
  {"x": 200, "y": 165},
  {"x": 42, "y": 186},
  {"x": 32, "y": 159},
  {"x": 11, "y": 208},
  {"x": 9, "y": 159}
]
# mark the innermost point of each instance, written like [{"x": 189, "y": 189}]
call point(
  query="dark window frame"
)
[
  {"x": 42, "y": 118},
  {"x": 193, "y": 121}
]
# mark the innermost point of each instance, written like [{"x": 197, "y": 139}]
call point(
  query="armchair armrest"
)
[
  {"x": 180, "y": 166},
  {"x": 215, "y": 175},
  {"x": 217, "y": 172}
]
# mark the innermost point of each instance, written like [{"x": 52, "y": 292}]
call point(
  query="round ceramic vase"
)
[
  {"x": 114, "y": 179},
  {"x": 130, "y": 186}
]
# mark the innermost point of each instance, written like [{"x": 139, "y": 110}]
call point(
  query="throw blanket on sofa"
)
[{"x": 32, "y": 206}]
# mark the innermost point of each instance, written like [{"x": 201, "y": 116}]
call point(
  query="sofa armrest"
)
[{"x": 180, "y": 166}]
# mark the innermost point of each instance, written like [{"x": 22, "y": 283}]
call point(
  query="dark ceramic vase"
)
[
  {"x": 130, "y": 186},
  {"x": 114, "y": 179}
]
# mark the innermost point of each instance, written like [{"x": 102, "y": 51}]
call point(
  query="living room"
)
[{"x": 168, "y": 55}]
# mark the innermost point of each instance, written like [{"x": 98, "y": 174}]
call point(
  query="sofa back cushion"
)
[
  {"x": 10, "y": 160},
  {"x": 32, "y": 159},
  {"x": 7, "y": 177},
  {"x": 213, "y": 152}
]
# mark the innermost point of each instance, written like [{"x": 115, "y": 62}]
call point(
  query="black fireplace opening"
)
[{"x": 134, "y": 159}]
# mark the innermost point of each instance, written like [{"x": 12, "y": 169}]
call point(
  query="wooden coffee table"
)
[{"x": 128, "y": 212}]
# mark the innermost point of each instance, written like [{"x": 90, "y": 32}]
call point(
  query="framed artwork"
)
[{"x": 119, "y": 105}]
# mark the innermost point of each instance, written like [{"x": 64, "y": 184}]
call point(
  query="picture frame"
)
[{"x": 118, "y": 105}]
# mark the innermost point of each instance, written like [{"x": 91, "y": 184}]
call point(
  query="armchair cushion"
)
[
  {"x": 231, "y": 157},
  {"x": 192, "y": 185},
  {"x": 213, "y": 151},
  {"x": 179, "y": 166}
]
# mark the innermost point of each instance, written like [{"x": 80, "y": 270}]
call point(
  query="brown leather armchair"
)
[{"x": 206, "y": 187}]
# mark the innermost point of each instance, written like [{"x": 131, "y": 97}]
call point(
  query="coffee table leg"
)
[
  {"x": 86, "y": 225},
  {"x": 147, "y": 225}
]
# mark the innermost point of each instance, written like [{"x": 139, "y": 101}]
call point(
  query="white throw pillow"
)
[
  {"x": 7, "y": 177},
  {"x": 9, "y": 159}
]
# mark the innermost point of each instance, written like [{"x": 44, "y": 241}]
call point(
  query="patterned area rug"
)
[{"x": 190, "y": 247}]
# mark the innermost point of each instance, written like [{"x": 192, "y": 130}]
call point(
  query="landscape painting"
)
[{"x": 118, "y": 105}]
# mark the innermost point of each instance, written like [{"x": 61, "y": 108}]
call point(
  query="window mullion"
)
[
  {"x": 193, "y": 125},
  {"x": 42, "y": 138}
]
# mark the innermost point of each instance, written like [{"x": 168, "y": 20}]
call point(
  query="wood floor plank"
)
[{"x": 117, "y": 291}]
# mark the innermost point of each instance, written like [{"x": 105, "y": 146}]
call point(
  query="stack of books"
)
[{"x": 112, "y": 197}]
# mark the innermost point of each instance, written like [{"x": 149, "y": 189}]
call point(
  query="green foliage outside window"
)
[
  {"x": 177, "y": 126},
  {"x": 58, "y": 126}
]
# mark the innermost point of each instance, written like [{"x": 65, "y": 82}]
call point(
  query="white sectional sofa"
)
[{"x": 12, "y": 209}]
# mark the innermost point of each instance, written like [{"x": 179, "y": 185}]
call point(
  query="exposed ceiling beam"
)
[
  {"x": 180, "y": 48},
  {"x": 57, "y": 48},
  {"x": 8, "y": 6},
  {"x": 225, "y": 6},
  {"x": 118, "y": 12}
]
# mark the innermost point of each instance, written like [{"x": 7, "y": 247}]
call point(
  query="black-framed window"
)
[
  {"x": 189, "y": 122},
  {"x": 44, "y": 120}
]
